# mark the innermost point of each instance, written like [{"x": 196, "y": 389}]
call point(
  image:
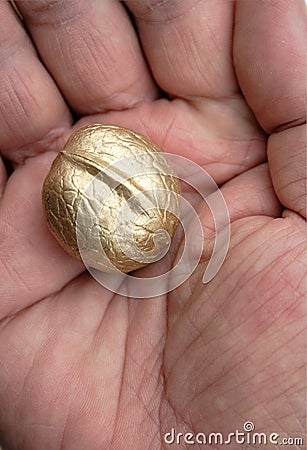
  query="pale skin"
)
[{"x": 81, "y": 368}]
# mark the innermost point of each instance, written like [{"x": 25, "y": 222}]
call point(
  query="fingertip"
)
[{"x": 269, "y": 57}]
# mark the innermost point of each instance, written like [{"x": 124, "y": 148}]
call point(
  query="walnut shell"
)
[{"x": 123, "y": 230}]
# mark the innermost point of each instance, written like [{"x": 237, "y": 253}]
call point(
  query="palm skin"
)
[{"x": 83, "y": 368}]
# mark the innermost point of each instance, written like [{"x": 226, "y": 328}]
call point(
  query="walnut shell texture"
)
[{"x": 88, "y": 152}]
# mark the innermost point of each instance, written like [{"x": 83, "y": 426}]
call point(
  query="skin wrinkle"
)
[
  {"x": 281, "y": 271},
  {"x": 184, "y": 420},
  {"x": 65, "y": 428},
  {"x": 176, "y": 64},
  {"x": 237, "y": 327},
  {"x": 219, "y": 377},
  {"x": 23, "y": 94},
  {"x": 150, "y": 355},
  {"x": 228, "y": 350},
  {"x": 53, "y": 140},
  {"x": 168, "y": 131},
  {"x": 190, "y": 318},
  {"x": 101, "y": 322},
  {"x": 145, "y": 406},
  {"x": 289, "y": 125},
  {"x": 271, "y": 321},
  {"x": 155, "y": 6},
  {"x": 298, "y": 121},
  {"x": 188, "y": 42},
  {"x": 145, "y": 362},
  {"x": 230, "y": 275},
  {"x": 92, "y": 61},
  {"x": 300, "y": 180},
  {"x": 300, "y": 420},
  {"x": 48, "y": 298},
  {"x": 291, "y": 183},
  {"x": 248, "y": 381},
  {"x": 12, "y": 48},
  {"x": 258, "y": 275},
  {"x": 276, "y": 263},
  {"x": 161, "y": 403},
  {"x": 291, "y": 157},
  {"x": 188, "y": 424},
  {"x": 13, "y": 274},
  {"x": 121, "y": 384},
  {"x": 242, "y": 383},
  {"x": 167, "y": 405},
  {"x": 185, "y": 352},
  {"x": 293, "y": 163},
  {"x": 108, "y": 53},
  {"x": 253, "y": 395},
  {"x": 10, "y": 97},
  {"x": 25, "y": 381},
  {"x": 278, "y": 419},
  {"x": 280, "y": 346},
  {"x": 230, "y": 332},
  {"x": 273, "y": 365},
  {"x": 46, "y": 13},
  {"x": 255, "y": 251},
  {"x": 36, "y": 360},
  {"x": 164, "y": 378},
  {"x": 121, "y": 105}
]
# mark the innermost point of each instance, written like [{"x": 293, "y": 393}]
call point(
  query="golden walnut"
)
[{"x": 108, "y": 195}]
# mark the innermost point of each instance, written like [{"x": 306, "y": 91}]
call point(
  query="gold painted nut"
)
[{"x": 122, "y": 231}]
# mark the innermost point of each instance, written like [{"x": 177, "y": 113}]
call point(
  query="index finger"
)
[{"x": 92, "y": 51}]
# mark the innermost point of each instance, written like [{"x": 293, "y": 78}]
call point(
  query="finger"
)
[
  {"x": 91, "y": 50},
  {"x": 269, "y": 52},
  {"x": 269, "y": 55},
  {"x": 188, "y": 45},
  {"x": 33, "y": 114}
]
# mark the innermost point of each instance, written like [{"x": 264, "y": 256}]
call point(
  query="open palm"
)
[{"x": 222, "y": 84}]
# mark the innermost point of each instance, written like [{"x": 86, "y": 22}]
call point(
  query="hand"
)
[{"x": 221, "y": 83}]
